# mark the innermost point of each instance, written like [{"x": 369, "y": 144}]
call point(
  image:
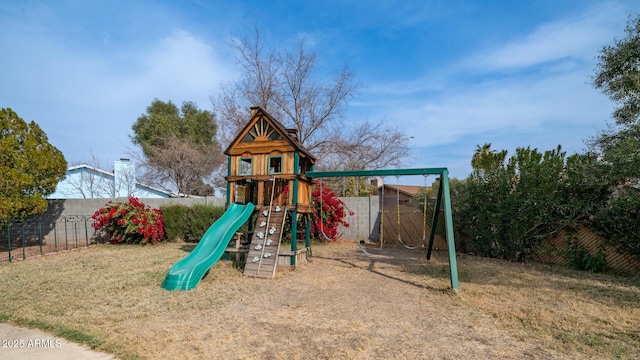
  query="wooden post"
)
[{"x": 238, "y": 238}]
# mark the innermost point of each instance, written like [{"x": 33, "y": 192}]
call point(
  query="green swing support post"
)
[
  {"x": 434, "y": 221},
  {"x": 443, "y": 198},
  {"x": 453, "y": 263},
  {"x": 294, "y": 213}
]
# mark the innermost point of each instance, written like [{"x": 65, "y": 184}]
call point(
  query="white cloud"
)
[
  {"x": 518, "y": 104},
  {"x": 87, "y": 99},
  {"x": 578, "y": 37},
  {"x": 181, "y": 66}
]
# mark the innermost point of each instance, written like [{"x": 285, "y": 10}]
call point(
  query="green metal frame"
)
[
  {"x": 228, "y": 183},
  {"x": 294, "y": 213},
  {"x": 444, "y": 198}
]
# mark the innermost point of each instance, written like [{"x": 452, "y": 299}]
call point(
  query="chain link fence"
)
[{"x": 23, "y": 240}]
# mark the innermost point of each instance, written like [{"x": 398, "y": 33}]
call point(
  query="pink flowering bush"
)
[
  {"x": 131, "y": 222},
  {"x": 332, "y": 213}
]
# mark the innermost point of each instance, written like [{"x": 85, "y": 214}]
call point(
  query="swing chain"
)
[{"x": 424, "y": 216}]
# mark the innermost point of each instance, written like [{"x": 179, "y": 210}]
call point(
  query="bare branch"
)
[{"x": 284, "y": 84}]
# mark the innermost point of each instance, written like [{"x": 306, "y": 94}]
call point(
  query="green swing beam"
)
[{"x": 443, "y": 196}]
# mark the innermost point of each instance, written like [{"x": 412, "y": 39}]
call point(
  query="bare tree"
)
[
  {"x": 258, "y": 86},
  {"x": 179, "y": 145},
  {"x": 180, "y": 164},
  {"x": 284, "y": 84},
  {"x": 368, "y": 145}
]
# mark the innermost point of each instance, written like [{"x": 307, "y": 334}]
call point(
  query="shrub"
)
[
  {"x": 619, "y": 221},
  {"x": 175, "y": 221},
  {"x": 508, "y": 206},
  {"x": 579, "y": 257},
  {"x": 329, "y": 212},
  {"x": 511, "y": 205},
  {"x": 200, "y": 218},
  {"x": 131, "y": 222},
  {"x": 189, "y": 223}
]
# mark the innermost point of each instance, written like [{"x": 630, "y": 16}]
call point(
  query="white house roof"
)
[
  {"x": 110, "y": 176},
  {"x": 90, "y": 168}
]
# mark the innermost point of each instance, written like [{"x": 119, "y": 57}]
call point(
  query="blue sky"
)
[{"x": 453, "y": 74}]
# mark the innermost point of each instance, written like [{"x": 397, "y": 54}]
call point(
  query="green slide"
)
[{"x": 187, "y": 273}]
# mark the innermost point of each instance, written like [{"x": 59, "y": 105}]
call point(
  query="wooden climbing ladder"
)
[{"x": 262, "y": 258}]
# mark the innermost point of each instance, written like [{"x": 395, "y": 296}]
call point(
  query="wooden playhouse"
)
[{"x": 267, "y": 166}]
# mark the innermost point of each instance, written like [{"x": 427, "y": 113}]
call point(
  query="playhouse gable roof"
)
[{"x": 263, "y": 133}]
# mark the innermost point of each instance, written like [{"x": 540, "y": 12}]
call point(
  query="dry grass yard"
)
[{"x": 342, "y": 305}]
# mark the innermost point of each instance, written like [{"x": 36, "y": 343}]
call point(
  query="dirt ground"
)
[{"x": 344, "y": 304}]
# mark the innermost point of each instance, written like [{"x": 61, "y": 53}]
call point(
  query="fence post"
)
[
  {"x": 75, "y": 232},
  {"x": 40, "y": 236},
  {"x": 66, "y": 236},
  {"x": 55, "y": 235},
  {"x": 86, "y": 232},
  {"x": 9, "y": 238},
  {"x": 24, "y": 256}
]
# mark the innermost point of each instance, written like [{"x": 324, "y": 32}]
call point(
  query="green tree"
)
[
  {"x": 619, "y": 221},
  {"x": 482, "y": 156},
  {"x": 180, "y": 145},
  {"x": 30, "y": 167},
  {"x": 617, "y": 75},
  {"x": 586, "y": 187}
]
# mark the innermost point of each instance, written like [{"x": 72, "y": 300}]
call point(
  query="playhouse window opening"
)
[
  {"x": 246, "y": 166},
  {"x": 275, "y": 165}
]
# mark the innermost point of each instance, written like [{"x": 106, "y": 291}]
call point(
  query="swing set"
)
[{"x": 443, "y": 200}]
